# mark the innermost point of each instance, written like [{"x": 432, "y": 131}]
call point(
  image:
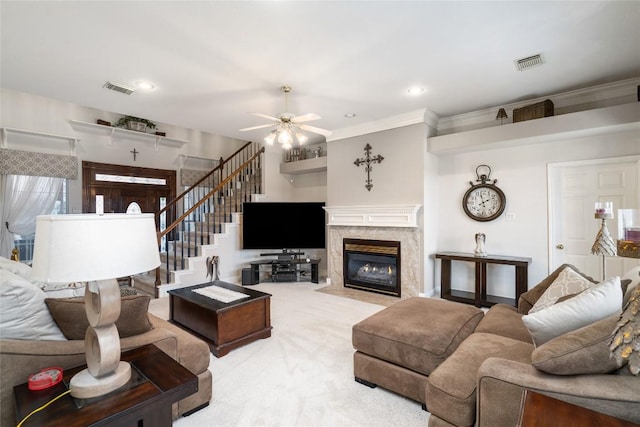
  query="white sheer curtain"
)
[{"x": 22, "y": 198}]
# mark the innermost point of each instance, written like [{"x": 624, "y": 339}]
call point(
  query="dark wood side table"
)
[
  {"x": 480, "y": 297},
  {"x": 161, "y": 381},
  {"x": 538, "y": 410}
]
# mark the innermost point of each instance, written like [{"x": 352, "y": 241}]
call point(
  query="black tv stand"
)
[{"x": 289, "y": 267}]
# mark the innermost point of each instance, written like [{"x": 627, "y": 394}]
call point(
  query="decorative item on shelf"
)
[
  {"x": 317, "y": 152},
  {"x": 484, "y": 201},
  {"x": 103, "y": 122},
  {"x": 480, "y": 249},
  {"x": 533, "y": 111},
  {"x": 629, "y": 233},
  {"x": 82, "y": 248},
  {"x": 502, "y": 114},
  {"x": 367, "y": 160},
  {"x": 160, "y": 133},
  {"x": 603, "y": 245},
  {"x": 625, "y": 344},
  {"x": 135, "y": 123}
]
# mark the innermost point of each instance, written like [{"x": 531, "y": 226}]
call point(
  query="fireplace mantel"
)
[{"x": 374, "y": 216}]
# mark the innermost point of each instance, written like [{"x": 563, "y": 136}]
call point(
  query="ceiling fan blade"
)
[
  {"x": 257, "y": 127},
  {"x": 275, "y": 119},
  {"x": 305, "y": 118},
  {"x": 315, "y": 130}
]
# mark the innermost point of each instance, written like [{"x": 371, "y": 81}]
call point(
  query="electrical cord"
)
[{"x": 42, "y": 407}]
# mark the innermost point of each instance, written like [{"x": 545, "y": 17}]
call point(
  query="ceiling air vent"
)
[
  {"x": 528, "y": 62},
  {"x": 118, "y": 88}
]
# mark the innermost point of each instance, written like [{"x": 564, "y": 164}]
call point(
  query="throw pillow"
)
[
  {"x": 583, "y": 351},
  {"x": 69, "y": 314},
  {"x": 23, "y": 313},
  {"x": 591, "y": 305},
  {"x": 17, "y": 268},
  {"x": 529, "y": 298},
  {"x": 568, "y": 282}
]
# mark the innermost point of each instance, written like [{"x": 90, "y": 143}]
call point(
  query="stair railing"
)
[{"x": 189, "y": 220}]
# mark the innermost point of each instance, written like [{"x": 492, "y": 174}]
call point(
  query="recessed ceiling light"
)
[
  {"x": 350, "y": 115},
  {"x": 415, "y": 90},
  {"x": 145, "y": 85}
]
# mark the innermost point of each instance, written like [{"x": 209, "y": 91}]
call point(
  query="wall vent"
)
[
  {"x": 528, "y": 62},
  {"x": 118, "y": 88}
]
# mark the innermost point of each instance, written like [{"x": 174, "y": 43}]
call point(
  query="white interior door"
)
[{"x": 573, "y": 190}]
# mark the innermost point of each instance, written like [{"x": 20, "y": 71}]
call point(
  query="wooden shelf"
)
[
  {"x": 124, "y": 134},
  {"x": 315, "y": 164},
  {"x": 20, "y": 137}
]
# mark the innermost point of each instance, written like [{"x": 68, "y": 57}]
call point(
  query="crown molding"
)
[
  {"x": 487, "y": 117},
  {"x": 393, "y": 122}
]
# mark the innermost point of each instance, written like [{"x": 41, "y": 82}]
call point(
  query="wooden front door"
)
[{"x": 122, "y": 185}]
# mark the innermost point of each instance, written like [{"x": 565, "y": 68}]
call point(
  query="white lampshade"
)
[{"x": 87, "y": 247}]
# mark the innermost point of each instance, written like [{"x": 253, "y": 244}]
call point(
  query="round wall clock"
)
[{"x": 484, "y": 201}]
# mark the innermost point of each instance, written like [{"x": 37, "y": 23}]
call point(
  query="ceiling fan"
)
[{"x": 288, "y": 125}]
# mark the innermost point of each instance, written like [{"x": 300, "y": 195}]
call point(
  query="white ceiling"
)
[{"x": 213, "y": 62}]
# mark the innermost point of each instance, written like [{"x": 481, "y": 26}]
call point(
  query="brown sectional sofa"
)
[
  {"x": 471, "y": 368},
  {"x": 20, "y": 358}
]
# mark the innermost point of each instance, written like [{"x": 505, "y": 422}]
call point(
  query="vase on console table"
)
[{"x": 480, "y": 250}]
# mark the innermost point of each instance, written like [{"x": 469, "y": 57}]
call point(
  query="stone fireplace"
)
[{"x": 395, "y": 223}]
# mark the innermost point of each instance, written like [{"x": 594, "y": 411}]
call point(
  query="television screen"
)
[{"x": 283, "y": 225}]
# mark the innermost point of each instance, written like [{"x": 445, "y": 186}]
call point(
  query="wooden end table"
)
[
  {"x": 539, "y": 410},
  {"x": 224, "y": 326},
  {"x": 161, "y": 381}
]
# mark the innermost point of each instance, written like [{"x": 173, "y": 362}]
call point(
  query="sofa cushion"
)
[
  {"x": 23, "y": 313},
  {"x": 417, "y": 333},
  {"x": 504, "y": 320},
  {"x": 634, "y": 276},
  {"x": 18, "y": 268},
  {"x": 583, "y": 351},
  {"x": 591, "y": 305},
  {"x": 529, "y": 298},
  {"x": 568, "y": 282},
  {"x": 451, "y": 388},
  {"x": 70, "y": 316}
]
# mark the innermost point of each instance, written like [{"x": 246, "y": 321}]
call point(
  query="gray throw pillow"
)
[
  {"x": 70, "y": 316},
  {"x": 583, "y": 351}
]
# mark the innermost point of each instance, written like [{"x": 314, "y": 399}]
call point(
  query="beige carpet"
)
[{"x": 303, "y": 374}]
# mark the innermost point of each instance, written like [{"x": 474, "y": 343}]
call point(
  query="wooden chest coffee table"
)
[{"x": 224, "y": 326}]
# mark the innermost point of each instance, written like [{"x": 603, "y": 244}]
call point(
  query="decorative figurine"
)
[{"x": 480, "y": 249}]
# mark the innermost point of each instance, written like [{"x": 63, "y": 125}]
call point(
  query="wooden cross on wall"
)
[
  {"x": 135, "y": 153},
  {"x": 367, "y": 160}
]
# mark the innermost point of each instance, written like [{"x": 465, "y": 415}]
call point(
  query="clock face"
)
[{"x": 484, "y": 202}]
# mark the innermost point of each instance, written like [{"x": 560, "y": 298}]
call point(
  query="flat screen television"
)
[{"x": 283, "y": 225}]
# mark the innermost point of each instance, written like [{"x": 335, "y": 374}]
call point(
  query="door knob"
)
[{"x": 560, "y": 246}]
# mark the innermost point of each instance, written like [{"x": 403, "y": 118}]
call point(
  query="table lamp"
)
[{"x": 96, "y": 249}]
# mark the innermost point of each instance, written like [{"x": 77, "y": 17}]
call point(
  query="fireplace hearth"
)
[{"x": 372, "y": 265}]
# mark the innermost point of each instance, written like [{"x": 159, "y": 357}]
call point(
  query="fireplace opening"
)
[{"x": 372, "y": 265}]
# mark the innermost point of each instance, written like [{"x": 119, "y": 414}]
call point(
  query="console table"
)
[{"x": 480, "y": 298}]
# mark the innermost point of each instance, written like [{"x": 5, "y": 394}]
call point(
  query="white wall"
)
[
  {"x": 34, "y": 113},
  {"x": 398, "y": 179},
  {"x": 521, "y": 171}
]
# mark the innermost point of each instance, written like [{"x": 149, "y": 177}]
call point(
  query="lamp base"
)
[{"x": 83, "y": 385}]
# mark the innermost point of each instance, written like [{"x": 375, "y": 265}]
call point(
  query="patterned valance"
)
[{"x": 17, "y": 162}]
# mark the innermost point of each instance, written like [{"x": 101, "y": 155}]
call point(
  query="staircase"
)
[{"x": 199, "y": 229}]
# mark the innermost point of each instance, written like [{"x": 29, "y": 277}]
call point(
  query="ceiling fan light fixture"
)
[
  {"x": 284, "y": 137},
  {"x": 270, "y": 138},
  {"x": 301, "y": 138}
]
